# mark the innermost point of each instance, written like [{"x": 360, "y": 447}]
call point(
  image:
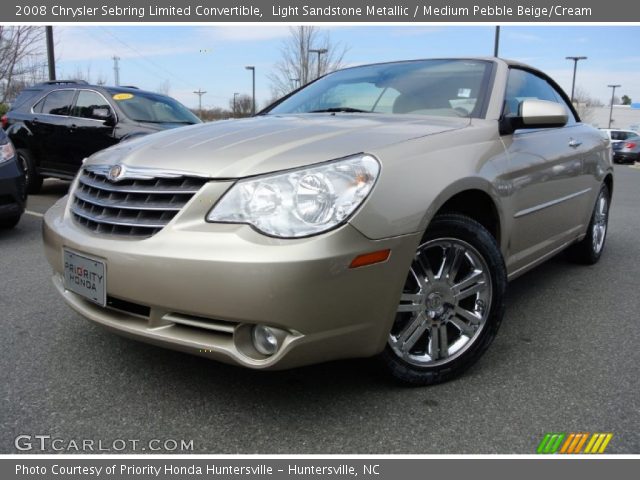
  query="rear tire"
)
[
  {"x": 589, "y": 250},
  {"x": 33, "y": 180},
  {"x": 451, "y": 306}
]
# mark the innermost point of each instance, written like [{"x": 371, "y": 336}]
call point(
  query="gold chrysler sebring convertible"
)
[{"x": 378, "y": 211}]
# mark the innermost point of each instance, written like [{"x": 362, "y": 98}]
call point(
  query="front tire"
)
[{"x": 452, "y": 303}]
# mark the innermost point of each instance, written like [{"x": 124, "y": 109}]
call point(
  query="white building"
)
[{"x": 624, "y": 117}]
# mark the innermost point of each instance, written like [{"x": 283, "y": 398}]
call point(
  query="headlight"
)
[
  {"x": 7, "y": 152},
  {"x": 302, "y": 202}
]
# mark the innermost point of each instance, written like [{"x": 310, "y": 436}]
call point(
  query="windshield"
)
[
  {"x": 451, "y": 88},
  {"x": 150, "y": 108}
]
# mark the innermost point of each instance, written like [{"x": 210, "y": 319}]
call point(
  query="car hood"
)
[{"x": 252, "y": 146}]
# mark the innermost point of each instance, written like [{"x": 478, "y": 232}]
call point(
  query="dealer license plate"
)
[{"x": 85, "y": 276}]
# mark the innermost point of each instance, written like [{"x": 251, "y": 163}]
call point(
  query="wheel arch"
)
[
  {"x": 608, "y": 181},
  {"x": 474, "y": 198},
  {"x": 19, "y": 134}
]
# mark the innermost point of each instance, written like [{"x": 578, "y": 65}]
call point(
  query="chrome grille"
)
[{"x": 139, "y": 205}]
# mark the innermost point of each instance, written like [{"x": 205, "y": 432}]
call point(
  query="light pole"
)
[
  {"x": 613, "y": 93},
  {"x": 235, "y": 94},
  {"x": 116, "y": 69},
  {"x": 496, "y": 41},
  {"x": 51, "y": 57},
  {"x": 319, "y": 51},
  {"x": 575, "y": 67},
  {"x": 253, "y": 96},
  {"x": 200, "y": 92}
]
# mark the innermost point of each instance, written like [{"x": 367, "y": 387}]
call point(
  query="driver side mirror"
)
[
  {"x": 103, "y": 114},
  {"x": 533, "y": 113}
]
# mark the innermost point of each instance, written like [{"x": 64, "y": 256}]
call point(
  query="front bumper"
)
[
  {"x": 12, "y": 190},
  {"x": 200, "y": 287}
]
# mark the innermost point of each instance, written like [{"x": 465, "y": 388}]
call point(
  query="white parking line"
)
[{"x": 35, "y": 214}]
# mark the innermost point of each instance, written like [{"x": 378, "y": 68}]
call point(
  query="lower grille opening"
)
[
  {"x": 194, "y": 321},
  {"x": 128, "y": 307}
]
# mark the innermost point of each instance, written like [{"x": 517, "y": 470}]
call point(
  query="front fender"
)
[{"x": 418, "y": 177}]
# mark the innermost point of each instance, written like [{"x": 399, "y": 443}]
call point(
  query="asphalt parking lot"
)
[{"x": 566, "y": 360}]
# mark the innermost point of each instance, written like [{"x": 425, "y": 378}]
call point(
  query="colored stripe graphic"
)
[
  {"x": 550, "y": 443},
  {"x": 568, "y": 442},
  {"x": 598, "y": 443},
  {"x": 572, "y": 443}
]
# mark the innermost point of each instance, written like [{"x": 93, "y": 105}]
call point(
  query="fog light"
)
[{"x": 264, "y": 340}]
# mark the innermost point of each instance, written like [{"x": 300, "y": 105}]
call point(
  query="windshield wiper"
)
[{"x": 341, "y": 109}]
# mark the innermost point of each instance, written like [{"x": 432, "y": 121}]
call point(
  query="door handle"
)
[
  {"x": 72, "y": 127},
  {"x": 574, "y": 143}
]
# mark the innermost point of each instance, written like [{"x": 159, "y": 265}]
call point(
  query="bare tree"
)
[
  {"x": 274, "y": 98},
  {"x": 34, "y": 72},
  {"x": 212, "y": 114},
  {"x": 164, "y": 88},
  {"x": 101, "y": 79},
  {"x": 80, "y": 74},
  {"x": 585, "y": 104},
  {"x": 21, "y": 57},
  {"x": 85, "y": 75},
  {"x": 298, "y": 66},
  {"x": 242, "y": 105}
]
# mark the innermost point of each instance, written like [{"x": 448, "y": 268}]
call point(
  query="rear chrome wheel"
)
[
  {"x": 589, "y": 250},
  {"x": 451, "y": 305},
  {"x": 600, "y": 221}
]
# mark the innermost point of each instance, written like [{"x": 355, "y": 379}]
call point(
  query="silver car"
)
[
  {"x": 378, "y": 211},
  {"x": 627, "y": 151},
  {"x": 625, "y": 145}
]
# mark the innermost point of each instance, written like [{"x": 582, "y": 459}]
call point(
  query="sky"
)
[{"x": 212, "y": 58}]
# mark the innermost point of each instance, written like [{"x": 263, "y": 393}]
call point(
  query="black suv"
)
[{"x": 55, "y": 125}]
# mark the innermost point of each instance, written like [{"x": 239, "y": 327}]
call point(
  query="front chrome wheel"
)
[
  {"x": 445, "y": 303},
  {"x": 451, "y": 305}
]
